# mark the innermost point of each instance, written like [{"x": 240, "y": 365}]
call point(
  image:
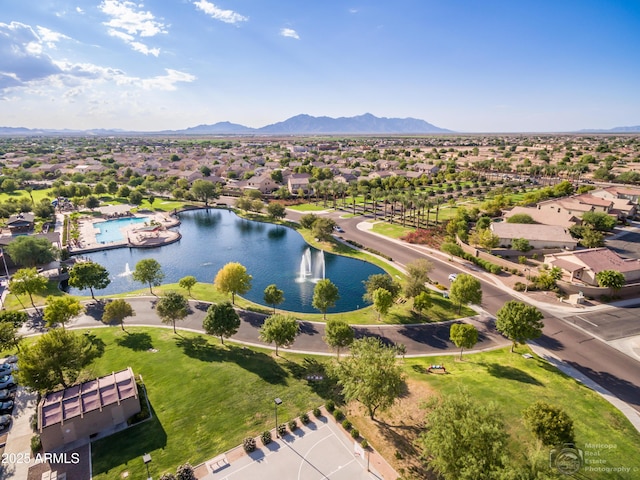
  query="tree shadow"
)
[
  {"x": 261, "y": 364},
  {"x": 95, "y": 310},
  {"x": 510, "y": 373},
  {"x": 128, "y": 445},
  {"x": 549, "y": 343},
  {"x": 138, "y": 342},
  {"x": 252, "y": 318},
  {"x": 433, "y": 335},
  {"x": 317, "y": 377},
  {"x": 307, "y": 328},
  {"x": 97, "y": 343},
  {"x": 202, "y": 306}
]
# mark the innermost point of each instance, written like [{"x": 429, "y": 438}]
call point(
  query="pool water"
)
[{"x": 111, "y": 230}]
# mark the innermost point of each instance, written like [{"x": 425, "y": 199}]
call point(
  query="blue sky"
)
[{"x": 466, "y": 65}]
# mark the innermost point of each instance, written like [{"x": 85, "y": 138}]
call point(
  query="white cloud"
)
[
  {"x": 50, "y": 37},
  {"x": 168, "y": 81},
  {"x": 226, "y": 16},
  {"x": 289, "y": 32},
  {"x": 128, "y": 22},
  {"x": 79, "y": 10},
  {"x": 353, "y": 10}
]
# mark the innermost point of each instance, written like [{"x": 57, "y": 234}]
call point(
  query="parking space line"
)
[{"x": 585, "y": 320}]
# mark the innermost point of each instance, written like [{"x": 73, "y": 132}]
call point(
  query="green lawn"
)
[
  {"x": 36, "y": 194},
  {"x": 513, "y": 383},
  {"x": 230, "y": 393},
  {"x": 205, "y": 398},
  {"x": 310, "y": 207},
  {"x": 391, "y": 230}
]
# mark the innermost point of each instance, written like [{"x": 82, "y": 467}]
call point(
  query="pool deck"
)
[{"x": 136, "y": 235}]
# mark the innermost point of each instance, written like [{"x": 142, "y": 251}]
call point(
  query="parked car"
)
[
  {"x": 5, "y": 395},
  {"x": 7, "y": 381},
  {"x": 6, "y": 407},
  {"x": 338, "y": 229},
  {"x": 452, "y": 277},
  {"x": 7, "y": 368},
  {"x": 5, "y": 421},
  {"x": 9, "y": 359}
]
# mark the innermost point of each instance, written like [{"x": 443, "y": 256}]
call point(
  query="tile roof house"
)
[
  {"x": 583, "y": 265},
  {"x": 538, "y": 236},
  {"x": 631, "y": 194},
  {"x": 546, "y": 217},
  {"x": 75, "y": 413},
  {"x": 297, "y": 182}
]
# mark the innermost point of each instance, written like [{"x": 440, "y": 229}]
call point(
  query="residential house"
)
[
  {"x": 627, "y": 193},
  {"x": 583, "y": 265},
  {"x": 546, "y": 217},
  {"x": 298, "y": 182},
  {"x": 264, "y": 183},
  {"x": 21, "y": 222},
  {"x": 538, "y": 236}
]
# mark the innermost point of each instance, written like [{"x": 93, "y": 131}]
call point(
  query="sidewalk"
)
[{"x": 18, "y": 445}]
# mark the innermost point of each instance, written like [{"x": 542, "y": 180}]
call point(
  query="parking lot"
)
[{"x": 609, "y": 324}]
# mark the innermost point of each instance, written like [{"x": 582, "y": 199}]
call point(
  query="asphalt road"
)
[{"x": 611, "y": 369}]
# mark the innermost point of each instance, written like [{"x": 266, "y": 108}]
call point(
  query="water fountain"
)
[
  {"x": 127, "y": 271},
  {"x": 309, "y": 270}
]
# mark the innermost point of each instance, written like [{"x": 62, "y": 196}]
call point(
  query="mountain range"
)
[
  {"x": 298, "y": 125},
  {"x": 303, "y": 124}
]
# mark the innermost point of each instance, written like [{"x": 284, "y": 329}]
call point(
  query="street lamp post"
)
[
  {"x": 146, "y": 458},
  {"x": 526, "y": 283},
  {"x": 277, "y": 401}
]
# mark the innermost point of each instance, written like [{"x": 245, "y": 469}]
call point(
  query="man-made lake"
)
[{"x": 271, "y": 254}]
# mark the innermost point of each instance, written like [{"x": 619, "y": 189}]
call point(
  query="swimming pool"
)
[{"x": 111, "y": 230}]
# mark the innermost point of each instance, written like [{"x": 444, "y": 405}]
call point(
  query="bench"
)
[
  {"x": 217, "y": 463},
  {"x": 436, "y": 369}
]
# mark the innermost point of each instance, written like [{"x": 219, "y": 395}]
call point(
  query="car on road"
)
[
  {"x": 5, "y": 394},
  {"x": 6, "y": 407},
  {"x": 7, "y": 368},
  {"x": 338, "y": 229},
  {"x": 452, "y": 277},
  {"x": 5, "y": 421},
  {"x": 7, "y": 381}
]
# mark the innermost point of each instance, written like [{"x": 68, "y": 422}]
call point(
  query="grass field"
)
[{"x": 231, "y": 390}]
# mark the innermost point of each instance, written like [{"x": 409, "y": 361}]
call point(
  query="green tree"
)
[
  {"x": 221, "y": 320},
  {"x": 417, "y": 275},
  {"x": 422, "y": 302},
  {"x": 276, "y": 211},
  {"x": 338, "y": 334},
  {"x": 591, "y": 238},
  {"x": 185, "y": 472},
  {"x": 307, "y": 220},
  {"x": 521, "y": 244},
  {"x": 382, "y": 301},
  {"x": 600, "y": 221},
  {"x": 9, "y": 338},
  {"x": 273, "y": 296},
  {"x": 92, "y": 202},
  {"x": 172, "y": 307},
  {"x": 60, "y": 310},
  {"x": 28, "y": 281},
  {"x": 89, "y": 275},
  {"x": 519, "y": 322},
  {"x": 44, "y": 209},
  {"x": 15, "y": 317},
  {"x": 244, "y": 203},
  {"x": 464, "y": 439},
  {"x": 325, "y": 296},
  {"x": 611, "y": 279},
  {"x": 55, "y": 359},
  {"x": 463, "y": 335},
  {"x": 30, "y": 251},
  {"x": 135, "y": 197},
  {"x": 370, "y": 375},
  {"x": 148, "y": 271},
  {"x": 380, "y": 280},
  {"x": 187, "y": 283},
  {"x": 204, "y": 191},
  {"x": 280, "y": 330},
  {"x": 521, "y": 218},
  {"x": 465, "y": 289},
  {"x": 485, "y": 239},
  {"x": 550, "y": 424},
  {"x": 323, "y": 228},
  {"x": 234, "y": 279},
  {"x": 116, "y": 311}
]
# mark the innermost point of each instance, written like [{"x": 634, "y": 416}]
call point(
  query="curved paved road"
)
[{"x": 615, "y": 371}]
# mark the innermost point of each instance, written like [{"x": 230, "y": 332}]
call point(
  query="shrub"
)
[
  {"x": 338, "y": 415},
  {"x": 550, "y": 424},
  {"x": 249, "y": 444},
  {"x": 317, "y": 413},
  {"x": 304, "y": 418},
  {"x": 364, "y": 443},
  {"x": 36, "y": 444},
  {"x": 355, "y": 433},
  {"x": 282, "y": 429},
  {"x": 330, "y": 406},
  {"x": 266, "y": 437},
  {"x": 185, "y": 472},
  {"x": 519, "y": 287},
  {"x": 168, "y": 476},
  {"x": 346, "y": 424},
  {"x": 293, "y": 425}
]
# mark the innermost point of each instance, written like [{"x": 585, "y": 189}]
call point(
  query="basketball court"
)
[{"x": 319, "y": 450}]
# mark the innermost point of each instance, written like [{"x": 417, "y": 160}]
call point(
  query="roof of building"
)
[
  {"x": 532, "y": 232},
  {"x": 592, "y": 200},
  {"x": 545, "y": 217},
  {"x": 599, "y": 259},
  {"x": 62, "y": 405}
]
